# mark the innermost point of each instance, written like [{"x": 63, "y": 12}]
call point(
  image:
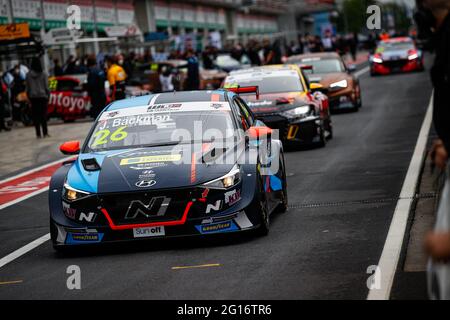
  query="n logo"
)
[
  {"x": 156, "y": 207},
  {"x": 88, "y": 217}
]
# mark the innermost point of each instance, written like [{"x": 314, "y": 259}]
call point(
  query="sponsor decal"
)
[
  {"x": 217, "y": 227},
  {"x": 90, "y": 217},
  {"x": 112, "y": 114},
  {"x": 149, "y": 232},
  {"x": 215, "y": 207},
  {"x": 77, "y": 238},
  {"x": 68, "y": 211},
  {"x": 147, "y": 174},
  {"x": 140, "y": 120},
  {"x": 156, "y": 207},
  {"x": 205, "y": 193},
  {"x": 216, "y": 105},
  {"x": 140, "y": 153},
  {"x": 259, "y": 103},
  {"x": 142, "y": 166},
  {"x": 233, "y": 196},
  {"x": 68, "y": 101},
  {"x": 150, "y": 159},
  {"x": 164, "y": 107},
  {"x": 145, "y": 183}
]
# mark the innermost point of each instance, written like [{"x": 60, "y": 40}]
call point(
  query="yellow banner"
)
[
  {"x": 148, "y": 159},
  {"x": 14, "y": 31}
]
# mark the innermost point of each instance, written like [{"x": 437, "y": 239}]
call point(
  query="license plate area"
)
[{"x": 147, "y": 232}]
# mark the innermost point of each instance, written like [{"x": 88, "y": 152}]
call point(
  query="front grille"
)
[
  {"x": 395, "y": 64},
  {"x": 276, "y": 122},
  {"x": 147, "y": 206}
]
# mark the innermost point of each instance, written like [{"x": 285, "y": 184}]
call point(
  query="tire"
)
[
  {"x": 263, "y": 229},
  {"x": 323, "y": 140}
]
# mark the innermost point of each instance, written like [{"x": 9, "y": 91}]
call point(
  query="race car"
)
[
  {"x": 168, "y": 165},
  {"x": 285, "y": 101},
  {"x": 396, "y": 55},
  {"x": 68, "y": 98},
  {"x": 328, "y": 69}
]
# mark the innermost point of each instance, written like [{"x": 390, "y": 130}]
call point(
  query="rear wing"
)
[{"x": 245, "y": 90}]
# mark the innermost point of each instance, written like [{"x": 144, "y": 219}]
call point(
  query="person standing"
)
[
  {"x": 116, "y": 77},
  {"x": 436, "y": 15},
  {"x": 3, "y": 102},
  {"x": 193, "y": 73},
  {"x": 96, "y": 86},
  {"x": 38, "y": 92},
  {"x": 166, "y": 80}
]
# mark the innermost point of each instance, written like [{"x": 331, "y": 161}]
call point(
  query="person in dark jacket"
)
[
  {"x": 3, "y": 102},
  {"x": 193, "y": 73},
  {"x": 96, "y": 86},
  {"x": 437, "y": 14},
  {"x": 38, "y": 94}
]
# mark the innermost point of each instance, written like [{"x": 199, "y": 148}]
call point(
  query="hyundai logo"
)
[{"x": 145, "y": 183}]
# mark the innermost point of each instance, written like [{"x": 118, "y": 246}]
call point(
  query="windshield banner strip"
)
[{"x": 169, "y": 107}]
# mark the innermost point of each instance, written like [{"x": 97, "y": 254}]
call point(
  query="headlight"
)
[
  {"x": 377, "y": 60},
  {"x": 299, "y": 112},
  {"x": 230, "y": 179},
  {"x": 340, "y": 84},
  {"x": 413, "y": 56},
  {"x": 72, "y": 194}
]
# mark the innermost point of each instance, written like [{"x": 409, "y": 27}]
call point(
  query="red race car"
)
[
  {"x": 68, "y": 98},
  {"x": 396, "y": 55}
]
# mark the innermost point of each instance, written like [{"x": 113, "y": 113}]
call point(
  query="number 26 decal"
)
[{"x": 101, "y": 137}]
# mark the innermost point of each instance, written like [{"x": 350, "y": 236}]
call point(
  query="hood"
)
[
  {"x": 272, "y": 102},
  {"x": 329, "y": 78},
  {"x": 145, "y": 169},
  {"x": 394, "y": 54}
]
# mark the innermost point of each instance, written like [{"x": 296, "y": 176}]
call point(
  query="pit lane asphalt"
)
[{"x": 312, "y": 252}]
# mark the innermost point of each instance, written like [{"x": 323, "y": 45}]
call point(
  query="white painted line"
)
[
  {"x": 394, "y": 240},
  {"x": 35, "y": 169},
  {"x": 26, "y": 248},
  {"x": 25, "y": 197},
  {"x": 361, "y": 72}
]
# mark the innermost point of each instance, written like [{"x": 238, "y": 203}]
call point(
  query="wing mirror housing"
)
[
  {"x": 255, "y": 133},
  {"x": 70, "y": 147},
  {"x": 317, "y": 87}
]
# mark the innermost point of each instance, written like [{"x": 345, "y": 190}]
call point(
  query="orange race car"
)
[{"x": 328, "y": 69}]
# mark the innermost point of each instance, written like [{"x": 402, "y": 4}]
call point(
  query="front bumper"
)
[
  {"x": 75, "y": 236},
  {"x": 396, "y": 66},
  {"x": 299, "y": 131},
  {"x": 100, "y": 219}
]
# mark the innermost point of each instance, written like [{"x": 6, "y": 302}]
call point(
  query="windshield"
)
[
  {"x": 394, "y": 46},
  {"x": 272, "y": 84},
  {"x": 323, "y": 65},
  {"x": 141, "y": 129}
]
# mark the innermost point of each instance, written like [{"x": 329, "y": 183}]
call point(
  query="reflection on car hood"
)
[
  {"x": 151, "y": 168},
  {"x": 267, "y": 103},
  {"x": 329, "y": 78}
]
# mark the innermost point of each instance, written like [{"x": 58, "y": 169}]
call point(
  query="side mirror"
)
[
  {"x": 70, "y": 147},
  {"x": 316, "y": 87},
  {"x": 351, "y": 68},
  {"x": 258, "y": 132}
]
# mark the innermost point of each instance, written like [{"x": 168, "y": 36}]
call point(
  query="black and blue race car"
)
[{"x": 165, "y": 165}]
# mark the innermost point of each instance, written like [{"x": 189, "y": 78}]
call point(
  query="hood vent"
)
[{"x": 90, "y": 164}]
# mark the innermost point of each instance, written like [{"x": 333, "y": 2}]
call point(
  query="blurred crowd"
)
[{"x": 119, "y": 70}]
